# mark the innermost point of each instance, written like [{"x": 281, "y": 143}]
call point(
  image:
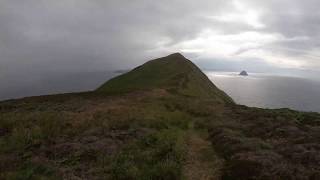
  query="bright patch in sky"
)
[
  {"x": 254, "y": 43},
  {"x": 234, "y": 46},
  {"x": 241, "y": 14}
]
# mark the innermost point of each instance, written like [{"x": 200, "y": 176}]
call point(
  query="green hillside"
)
[
  {"x": 164, "y": 120},
  {"x": 174, "y": 73}
]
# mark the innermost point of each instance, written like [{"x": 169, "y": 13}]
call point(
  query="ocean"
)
[
  {"x": 255, "y": 90},
  {"x": 269, "y": 91}
]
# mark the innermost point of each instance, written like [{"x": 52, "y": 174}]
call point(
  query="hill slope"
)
[
  {"x": 162, "y": 120},
  {"x": 174, "y": 73}
]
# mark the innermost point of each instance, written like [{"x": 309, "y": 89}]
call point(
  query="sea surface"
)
[
  {"x": 17, "y": 87},
  {"x": 269, "y": 91},
  {"x": 255, "y": 90}
]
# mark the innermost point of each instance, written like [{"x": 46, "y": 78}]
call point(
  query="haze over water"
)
[
  {"x": 255, "y": 90},
  {"x": 269, "y": 91}
]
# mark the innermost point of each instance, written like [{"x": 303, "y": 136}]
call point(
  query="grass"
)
[
  {"x": 32, "y": 171},
  {"x": 137, "y": 126},
  {"x": 162, "y": 73},
  {"x": 55, "y": 138},
  {"x": 29, "y": 129},
  {"x": 156, "y": 73},
  {"x": 157, "y": 156},
  {"x": 262, "y": 144}
]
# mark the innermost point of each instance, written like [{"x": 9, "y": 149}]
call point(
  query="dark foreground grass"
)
[
  {"x": 267, "y": 144},
  {"x": 126, "y": 138},
  {"x": 157, "y": 156},
  {"x": 143, "y": 136}
]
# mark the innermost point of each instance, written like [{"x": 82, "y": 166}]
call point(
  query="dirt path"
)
[{"x": 202, "y": 163}]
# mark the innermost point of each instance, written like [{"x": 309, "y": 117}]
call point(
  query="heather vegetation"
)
[{"x": 155, "y": 122}]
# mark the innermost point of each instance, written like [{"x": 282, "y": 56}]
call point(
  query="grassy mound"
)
[{"x": 174, "y": 73}]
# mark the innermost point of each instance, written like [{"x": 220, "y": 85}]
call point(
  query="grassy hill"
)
[
  {"x": 162, "y": 120},
  {"x": 174, "y": 73}
]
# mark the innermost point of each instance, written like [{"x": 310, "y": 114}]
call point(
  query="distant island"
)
[{"x": 243, "y": 73}]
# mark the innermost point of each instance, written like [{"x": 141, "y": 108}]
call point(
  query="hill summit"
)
[{"x": 173, "y": 73}]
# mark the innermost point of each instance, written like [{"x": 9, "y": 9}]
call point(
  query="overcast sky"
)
[{"x": 41, "y": 40}]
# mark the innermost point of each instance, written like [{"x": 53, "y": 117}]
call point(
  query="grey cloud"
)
[
  {"x": 39, "y": 38},
  {"x": 292, "y": 19}
]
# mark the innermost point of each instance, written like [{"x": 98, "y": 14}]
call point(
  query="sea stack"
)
[{"x": 243, "y": 73}]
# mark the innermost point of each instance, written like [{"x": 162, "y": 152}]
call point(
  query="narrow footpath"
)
[{"x": 202, "y": 162}]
